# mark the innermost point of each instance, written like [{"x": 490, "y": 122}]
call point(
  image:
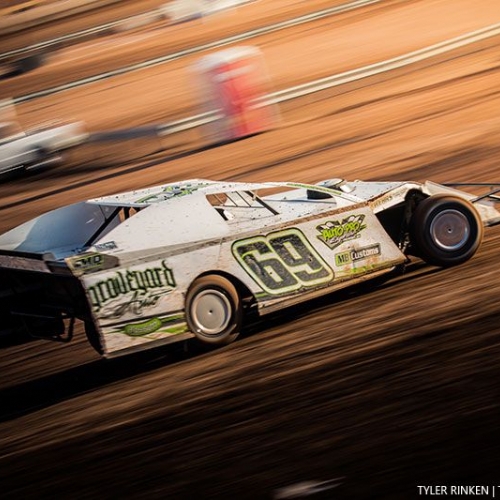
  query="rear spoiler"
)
[
  {"x": 487, "y": 200},
  {"x": 31, "y": 261}
]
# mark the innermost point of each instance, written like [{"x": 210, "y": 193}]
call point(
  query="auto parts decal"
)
[
  {"x": 334, "y": 233},
  {"x": 282, "y": 262}
]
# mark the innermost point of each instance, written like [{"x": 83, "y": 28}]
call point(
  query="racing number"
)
[{"x": 282, "y": 262}]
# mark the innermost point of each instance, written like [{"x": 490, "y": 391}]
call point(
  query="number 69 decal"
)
[{"x": 282, "y": 262}]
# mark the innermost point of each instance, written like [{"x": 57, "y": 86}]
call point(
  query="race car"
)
[{"x": 194, "y": 259}]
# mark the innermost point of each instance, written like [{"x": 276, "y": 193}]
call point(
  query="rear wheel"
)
[
  {"x": 213, "y": 310},
  {"x": 445, "y": 230}
]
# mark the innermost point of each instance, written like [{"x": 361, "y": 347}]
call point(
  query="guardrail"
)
[
  {"x": 240, "y": 37},
  {"x": 298, "y": 90},
  {"x": 159, "y": 12},
  {"x": 38, "y": 13},
  {"x": 340, "y": 78},
  {"x": 305, "y": 89}
]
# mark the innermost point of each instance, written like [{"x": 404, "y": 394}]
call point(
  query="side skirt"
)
[{"x": 274, "y": 305}]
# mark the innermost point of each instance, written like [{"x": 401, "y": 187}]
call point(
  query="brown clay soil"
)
[{"x": 379, "y": 389}]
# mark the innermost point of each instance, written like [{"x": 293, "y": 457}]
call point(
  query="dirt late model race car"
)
[{"x": 191, "y": 259}]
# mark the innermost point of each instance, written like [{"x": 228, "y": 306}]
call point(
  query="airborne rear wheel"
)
[
  {"x": 446, "y": 230},
  {"x": 214, "y": 310}
]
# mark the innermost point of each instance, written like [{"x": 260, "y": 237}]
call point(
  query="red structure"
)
[{"x": 235, "y": 83}]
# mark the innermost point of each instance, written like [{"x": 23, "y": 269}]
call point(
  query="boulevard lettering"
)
[{"x": 150, "y": 281}]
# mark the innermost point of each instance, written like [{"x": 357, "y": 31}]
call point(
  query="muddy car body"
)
[{"x": 192, "y": 258}]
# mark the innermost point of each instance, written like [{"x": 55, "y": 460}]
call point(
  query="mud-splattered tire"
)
[
  {"x": 445, "y": 230},
  {"x": 213, "y": 310}
]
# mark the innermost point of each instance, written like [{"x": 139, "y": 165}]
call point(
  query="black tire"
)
[
  {"x": 93, "y": 336},
  {"x": 445, "y": 230},
  {"x": 45, "y": 328},
  {"x": 213, "y": 310}
]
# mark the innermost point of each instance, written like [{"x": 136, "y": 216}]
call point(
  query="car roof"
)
[
  {"x": 167, "y": 192},
  {"x": 180, "y": 213},
  {"x": 170, "y": 191}
]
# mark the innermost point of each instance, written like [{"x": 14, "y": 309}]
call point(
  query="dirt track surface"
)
[{"x": 380, "y": 388}]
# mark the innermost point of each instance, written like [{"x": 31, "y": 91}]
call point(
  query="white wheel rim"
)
[
  {"x": 450, "y": 230},
  {"x": 211, "y": 312}
]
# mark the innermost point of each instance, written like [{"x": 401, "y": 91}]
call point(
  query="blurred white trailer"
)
[{"x": 37, "y": 147}]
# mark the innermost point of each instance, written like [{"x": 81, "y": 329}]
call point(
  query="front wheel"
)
[
  {"x": 213, "y": 310},
  {"x": 445, "y": 230}
]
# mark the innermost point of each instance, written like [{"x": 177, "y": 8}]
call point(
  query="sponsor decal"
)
[
  {"x": 142, "y": 288},
  {"x": 343, "y": 258},
  {"x": 87, "y": 262},
  {"x": 143, "y": 328},
  {"x": 91, "y": 262},
  {"x": 389, "y": 198},
  {"x": 153, "y": 328},
  {"x": 171, "y": 192},
  {"x": 108, "y": 245},
  {"x": 282, "y": 262},
  {"x": 382, "y": 200},
  {"x": 334, "y": 233}
]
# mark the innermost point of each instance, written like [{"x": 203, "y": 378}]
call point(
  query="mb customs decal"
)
[
  {"x": 131, "y": 291},
  {"x": 282, "y": 262},
  {"x": 343, "y": 258},
  {"x": 334, "y": 233}
]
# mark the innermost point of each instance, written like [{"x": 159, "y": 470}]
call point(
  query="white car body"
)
[{"x": 125, "y": 264}]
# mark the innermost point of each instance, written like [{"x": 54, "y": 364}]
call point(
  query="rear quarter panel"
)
[{"x": 142, "y": 303}]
